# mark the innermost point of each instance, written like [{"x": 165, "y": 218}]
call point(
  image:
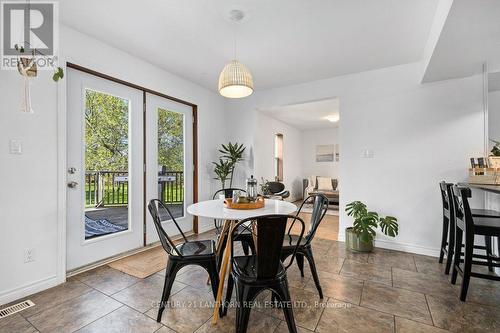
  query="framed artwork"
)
[{"x": 324, "y": 153}]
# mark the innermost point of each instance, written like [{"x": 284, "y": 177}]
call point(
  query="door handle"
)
[
  {"x": 72, "y": 184},
  {"x": 71, "y": 170}
]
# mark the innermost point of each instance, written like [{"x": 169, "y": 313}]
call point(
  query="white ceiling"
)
[
  {"x": 307, "y": 115},
  {"x": 282, "y": 41},
  {"x": 470, "y": 37}
]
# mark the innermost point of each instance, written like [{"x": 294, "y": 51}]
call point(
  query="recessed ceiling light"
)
[{"x": 333, "y": 118}]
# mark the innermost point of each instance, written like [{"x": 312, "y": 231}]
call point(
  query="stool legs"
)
[
  {"x": 444, "y": 240},
  {"x": 456, "y": 259},
  {"x": 469, "y": 248},
  {"x": 451, "y": 250}
]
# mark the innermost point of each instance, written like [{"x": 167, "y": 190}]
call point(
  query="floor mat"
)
[
  {"x": 95, "y": 228},
  {"x": 142, "y": 264}
]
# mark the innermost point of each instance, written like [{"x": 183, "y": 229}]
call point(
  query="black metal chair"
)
[
  {"x": 245, "y": 237},
  {"x": 467, "y": 226},
  {"x": 448, "y": 232},
  {"x": 304, "y": 249},
  {"x": 264, "y": 270},
  {"x": 201, "y": 253},
  {"x": 277, "y": 188}
]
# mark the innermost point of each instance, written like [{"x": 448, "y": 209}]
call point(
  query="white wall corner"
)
[{"x": 440, "y": 17}]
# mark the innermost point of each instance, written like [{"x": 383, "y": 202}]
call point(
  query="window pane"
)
[{"x": 278, "y": 157}]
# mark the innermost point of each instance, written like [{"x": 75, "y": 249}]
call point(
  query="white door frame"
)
[{"x": 62, "y": 162}]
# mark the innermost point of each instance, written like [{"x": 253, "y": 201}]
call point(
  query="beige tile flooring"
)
[{"x": 385, "y": 291}]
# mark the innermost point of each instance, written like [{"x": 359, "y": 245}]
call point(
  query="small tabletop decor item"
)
[
  {"x": 360, "y": 236},
  {"x": 252, "y": 188},
  {"x": 244, "y": 203}
]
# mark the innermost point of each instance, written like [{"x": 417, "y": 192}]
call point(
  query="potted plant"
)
[
  {"x": 494, "y": 157},
  {"x": 222, "y": 171},
  {"x": 232, "y": 154},
  {"x": 360, "y": 236}
]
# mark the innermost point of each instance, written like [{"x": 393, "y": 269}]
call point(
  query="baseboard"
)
[
  {"x": 29, "y": 289},
  {"x": 205, "y": 228},
  {"x": 404, "y": 247}
]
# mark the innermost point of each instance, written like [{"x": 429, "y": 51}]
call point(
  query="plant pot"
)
[{"x": 354, "y": 243}]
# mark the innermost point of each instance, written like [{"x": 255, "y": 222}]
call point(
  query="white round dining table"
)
[{"x": 215, "y": 209}]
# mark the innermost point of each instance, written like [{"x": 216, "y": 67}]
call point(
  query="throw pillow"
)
[
  {"x": 324, "y": 184},
  {"x": 312, "y": 182}
]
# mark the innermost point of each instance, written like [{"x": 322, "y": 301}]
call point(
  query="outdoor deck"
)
[{"x": 118, "y": 215}]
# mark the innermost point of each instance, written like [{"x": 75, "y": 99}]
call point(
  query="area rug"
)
[
  {"x": 142, "y": 264},
  {"x": 332, "y": 209},
  {"x": 94, "y": 228}
]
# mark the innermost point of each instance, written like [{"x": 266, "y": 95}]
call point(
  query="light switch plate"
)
[
  {"x": 368, "y": 153},
  {"x": 16, "y": 147}
]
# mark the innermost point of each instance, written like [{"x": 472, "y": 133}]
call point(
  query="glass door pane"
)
[
  {"x": 171, "y": 160},
  {"x": 106, "y": 164}
]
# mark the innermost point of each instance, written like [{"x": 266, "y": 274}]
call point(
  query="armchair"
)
[{"x": 277, "y": 188}]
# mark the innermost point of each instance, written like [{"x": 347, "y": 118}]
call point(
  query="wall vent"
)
[{"x": 16, "y": 308}]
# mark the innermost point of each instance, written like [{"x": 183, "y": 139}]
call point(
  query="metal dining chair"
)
[
  {"x": 245, "y": 237},
  {"x": 199, "y": 252},
  {"x": 263, "y": 270},
  {"x": 304, "y": 248}
]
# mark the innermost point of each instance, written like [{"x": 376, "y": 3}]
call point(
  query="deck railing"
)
[{"x": 110, "y": 188}]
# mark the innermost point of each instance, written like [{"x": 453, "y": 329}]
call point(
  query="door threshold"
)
[{"x": 119, "y": 256}]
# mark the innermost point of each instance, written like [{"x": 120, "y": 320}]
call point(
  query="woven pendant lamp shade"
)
[{"x": 235, "y": 80}]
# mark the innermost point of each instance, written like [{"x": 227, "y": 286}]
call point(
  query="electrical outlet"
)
[{"x": 29, "y": 255}]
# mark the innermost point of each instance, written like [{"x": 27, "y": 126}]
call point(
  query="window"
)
[{"x": 278, "y": 157}]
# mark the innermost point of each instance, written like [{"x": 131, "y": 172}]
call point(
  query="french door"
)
[
  {"x": 169, "y": 147},
  {"x": 105, "y": 169},
  {"x": 120, "y": 155}
]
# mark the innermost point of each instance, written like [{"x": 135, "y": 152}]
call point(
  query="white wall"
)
[
  {"x": 32, "y": 182},
  {"x": 29, "y": 192},
  {"x": 494, "y": 115},
  {"x": 420, "y": 135},
  {"x": 312, "y": 138},
  {"x": 263, "y": 147}
]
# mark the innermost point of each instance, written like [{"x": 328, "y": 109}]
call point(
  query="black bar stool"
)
[
  {"x": 468, "y": 227},
  {"x": 448, "y": 233}
]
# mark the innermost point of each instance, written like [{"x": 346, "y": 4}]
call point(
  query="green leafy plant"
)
[
  {"x": 234, "y": 154},
  {"x": 366, "y": 222},
  {"x": 264, "y": 186},
  {"x": 222, "y": 170}
]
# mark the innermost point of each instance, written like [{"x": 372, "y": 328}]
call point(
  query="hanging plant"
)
[{"x": 27, "y": 65}]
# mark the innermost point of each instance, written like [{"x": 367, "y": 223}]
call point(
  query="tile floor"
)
[{"x": 385, "y": 291}]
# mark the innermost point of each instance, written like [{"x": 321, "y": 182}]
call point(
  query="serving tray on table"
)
[{"x": 259, "y": 203}]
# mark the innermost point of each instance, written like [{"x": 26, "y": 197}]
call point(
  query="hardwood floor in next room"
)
[{"x": 384, "y": 291}]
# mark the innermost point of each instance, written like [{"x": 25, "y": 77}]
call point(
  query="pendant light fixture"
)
[{"x": 235, "y": 80}]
